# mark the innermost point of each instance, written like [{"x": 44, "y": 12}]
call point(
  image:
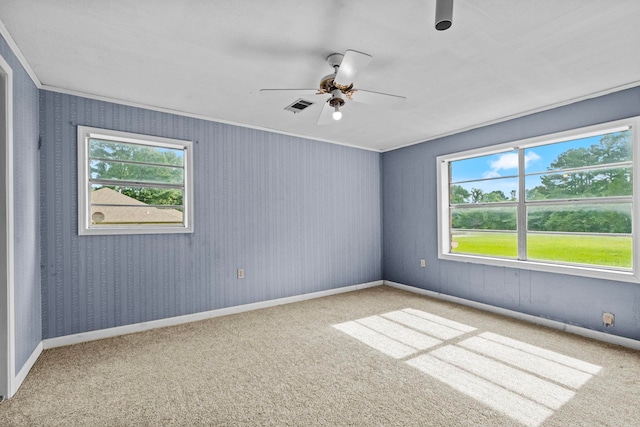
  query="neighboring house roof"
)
[{"x": 132, "y": 211}]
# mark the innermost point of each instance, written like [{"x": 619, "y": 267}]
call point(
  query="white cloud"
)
[
  {"x": 491, "y": 174},
  {"x": 505, "y": 162},
  {"x": 530, "y": 157},
  {"x": 508, "y": 161}
]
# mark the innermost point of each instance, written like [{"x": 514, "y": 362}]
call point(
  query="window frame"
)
[
  {"x": 85, "y": 228},
  {"x": 443, "y": 203}
]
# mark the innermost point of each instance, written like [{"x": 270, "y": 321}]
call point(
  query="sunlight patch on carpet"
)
[
  {"x": 547, "y": 354},
  {"x": 511, "y": 404},
  {"x": 376, "y": 340},
  {"x": 528, "y": 385},
  {"x": 399, "y": 333},
  {"x": 441, "y": 320},
  {"x": 522, "y": 381},
  {"x": 528, "y": 362},
  {"x": 430, "y": 327}
]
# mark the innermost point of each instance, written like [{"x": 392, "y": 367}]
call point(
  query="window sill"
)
[
  {"x": 573, "y": 270},
  {"x": 124, "y": 230}
]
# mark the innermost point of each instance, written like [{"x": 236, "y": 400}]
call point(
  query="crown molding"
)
[{"x": 4, "y": 32}]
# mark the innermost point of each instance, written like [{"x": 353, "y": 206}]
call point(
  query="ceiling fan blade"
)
[
  {"x": 377, "y": 98},
  {"x": 351, "y": 64},
  {"x": 267, "y": 92},
  {"x": 326, "y": 115}
]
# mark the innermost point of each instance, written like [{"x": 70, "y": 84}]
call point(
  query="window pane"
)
[
  {"x": 500, "y": 218},
  {"x": 492, "y": 166},
  {"x": 131, "y": 215},
  {"x": 596, "y": 150},
  {"x": 608, "y": 182},
  {"x": 122, "y": 205},
  {"x": 578, "y": 202},
  {"x": 126, "y": 196},
  {"x": 489, "y": 191},
  {"x": 604, "y": 251},
  {"x": 110, "y": 150},
  {"x": 498, "y": 244},
  {"x": 582, "y": 218},
  {"x": 133, "y": 184},
  {"x": 117, "y": 171}
]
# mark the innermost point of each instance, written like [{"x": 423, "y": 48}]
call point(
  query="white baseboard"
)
[
  {"x": 171, "y": 321},
  {"x": 577, "y": 330},
  {"x": 20, "y": 377}
]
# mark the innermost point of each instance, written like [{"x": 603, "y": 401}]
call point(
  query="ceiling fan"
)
[{"x": 339, "y": 86}]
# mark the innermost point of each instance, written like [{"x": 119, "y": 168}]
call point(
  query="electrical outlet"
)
[
  {"x": 241, "y": 273},
  {"x": 423, "y": 263},
  {"x": 608, "y": 319}
]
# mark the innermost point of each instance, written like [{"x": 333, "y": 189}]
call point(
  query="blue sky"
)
[{"x": 504, "y": 166}]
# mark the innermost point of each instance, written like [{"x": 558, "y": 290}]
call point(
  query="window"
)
[
  {"x": 561, "y": 203},
  {"x": 133, "y": 184}
]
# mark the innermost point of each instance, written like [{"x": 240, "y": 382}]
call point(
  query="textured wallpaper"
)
[
  {"x": 298, "y": 215},
  {"x": 26, "y": 163},
  {"x": 410, "y": 228}
]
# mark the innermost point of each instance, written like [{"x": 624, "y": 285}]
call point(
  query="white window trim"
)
[
  {"x": 443, "y": 161},
  {"x": 84, "y": 208},
  {"x": 9, "y": 382}
]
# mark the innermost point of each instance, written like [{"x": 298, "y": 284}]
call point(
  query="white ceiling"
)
[{"x": 500, "y": 59}]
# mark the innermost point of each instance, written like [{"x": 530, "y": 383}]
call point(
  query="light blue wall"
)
[
  {"x": 410, "y": 228},
  {"x": 298, "y": 215},
  {"x": 26, "y": 163}
]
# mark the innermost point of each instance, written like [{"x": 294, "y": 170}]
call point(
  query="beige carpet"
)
[{"x": 359, "y": 359}]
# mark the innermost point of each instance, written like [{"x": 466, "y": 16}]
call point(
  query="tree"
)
[
  {"x": 139, "y": 163},
  {"x": 574, "y": 173},
  {"x": 459, "y": 195},
  {"x": 494, "y": 196},
  {"x": 539, "y": 192},
  {"x": 616, "y": 181},
  {"x": 476, "y": 195},
  {"x": 484, "y": 219},
  {"x": 612, "y": 148},
  {"x": 585, "y": 220}
]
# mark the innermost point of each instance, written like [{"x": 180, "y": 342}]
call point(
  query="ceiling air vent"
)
[{"x": 298, "y": 105}]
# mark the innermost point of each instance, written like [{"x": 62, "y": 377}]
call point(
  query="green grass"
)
[{"x": 609, "y": 251}]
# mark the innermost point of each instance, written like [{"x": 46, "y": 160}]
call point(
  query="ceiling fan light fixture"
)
[
  {"x": 336, "y": 102},
  {"x": 339, "y": 87},
  {"x": 337, "y": 114},
  {"x": 444, "y": 14}
]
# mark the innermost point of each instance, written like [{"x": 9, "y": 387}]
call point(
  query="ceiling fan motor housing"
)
[
  {"x": 328, "y": 85},
  {"x": 336, "y": 99}
]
